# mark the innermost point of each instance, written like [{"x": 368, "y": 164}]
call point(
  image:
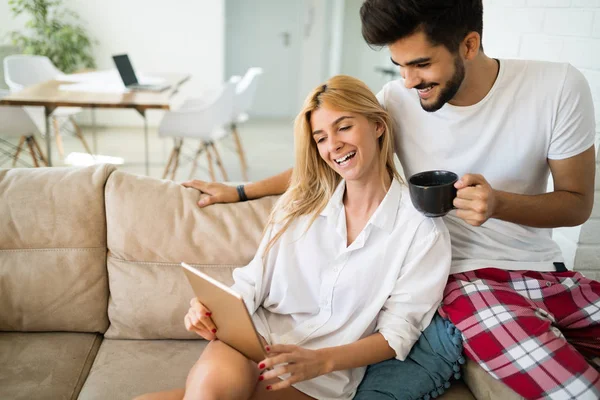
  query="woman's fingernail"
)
[
  {"x": 208, "y": 314},
  {"x": 269, "y": 387},
  {"x": 214, "y": 331},
  {"x": 261, "y": 378},
  {"x": 261, "y": 366},
  {"x": 268, "y": 348}
]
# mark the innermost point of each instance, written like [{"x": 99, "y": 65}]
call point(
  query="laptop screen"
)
[{"x": 125, "y": 69}]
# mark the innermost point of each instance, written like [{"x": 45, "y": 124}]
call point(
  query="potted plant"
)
[{"x": 54, "y": 32}]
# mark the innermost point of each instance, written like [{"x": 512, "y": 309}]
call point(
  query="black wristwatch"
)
[{"x": 242, "y": 193}]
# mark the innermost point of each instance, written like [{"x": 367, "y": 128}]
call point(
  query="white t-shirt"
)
[
  {"x": 535, "y": 111},
  {"x": 314, "y": 291}
]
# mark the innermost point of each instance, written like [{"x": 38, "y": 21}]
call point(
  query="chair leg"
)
[
  {"x": 19, "y": 147},
  {"x": 80, "y": 135},
  {"x": 39, "y": 150},
  {"x": 219, "y": 162},
  {"x": 176, "y": 165},
  {"x": 59, "y": 142},
  {"x": 170, "y": 161},
  {"x": 168, "y": 166},
  {"x": 32, "y": 152},
  {"x": 201, "y": 148},
  {"x": 211, "y": 169},
  {"x": 240, "y": 151}
]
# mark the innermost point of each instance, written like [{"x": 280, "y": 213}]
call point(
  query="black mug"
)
[{"x": 432, "y": 192}]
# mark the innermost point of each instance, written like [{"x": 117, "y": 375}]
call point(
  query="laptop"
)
[{"x": 130, "y": 79}]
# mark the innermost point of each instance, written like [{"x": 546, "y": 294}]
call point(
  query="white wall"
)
[
  {"x": 316, "y": 45},
  {"x": 268, "y": 34},
  {"x": 183, "y": 36},
  {"x": 555, "y": 30},
  {"x": 357, "y": 58}
]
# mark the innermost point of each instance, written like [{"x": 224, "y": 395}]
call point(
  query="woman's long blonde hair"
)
[{"x": 313, "y": 181}]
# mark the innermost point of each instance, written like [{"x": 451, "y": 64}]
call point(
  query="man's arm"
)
[
  {"x": 570, "y": 203},
  {"x": 221, "y": 193}
]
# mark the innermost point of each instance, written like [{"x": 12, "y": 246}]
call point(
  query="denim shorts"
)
[{"x": 433, "y": 362}]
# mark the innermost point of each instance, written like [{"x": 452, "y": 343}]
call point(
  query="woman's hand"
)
[
  {"x": 198, "y": 320},
  {"x": 302, "y": 364},
  {"x": 213, "y": 192}
]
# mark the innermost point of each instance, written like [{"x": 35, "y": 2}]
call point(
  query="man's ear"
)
[{"x": 470, "y": 46}]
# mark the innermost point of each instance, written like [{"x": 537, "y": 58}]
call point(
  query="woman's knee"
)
[
  {"x": 176, "y": 394},
  {"x": 221, "y": 372}
]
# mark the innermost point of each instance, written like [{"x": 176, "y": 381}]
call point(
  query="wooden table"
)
[{"x": 49, "y": 96}]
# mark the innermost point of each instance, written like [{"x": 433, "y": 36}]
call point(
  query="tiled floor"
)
[{"x": 268, "y": 145}]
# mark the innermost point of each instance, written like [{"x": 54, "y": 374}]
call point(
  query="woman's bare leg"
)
[
  {"x": 261, "y": 393},
  {"x": 223, "y": 373},
  {"x": 220, "y": 373},
  {"x": 229, "y": 374},
  {"x": 176, "y": 394}
]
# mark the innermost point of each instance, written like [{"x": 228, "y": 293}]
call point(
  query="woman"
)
[{"x": 348, "y": 273}]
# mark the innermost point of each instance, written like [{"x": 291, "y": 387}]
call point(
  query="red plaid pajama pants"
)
[{"x": 538, "y": 332}]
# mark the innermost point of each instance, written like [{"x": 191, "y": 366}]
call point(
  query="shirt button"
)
[
  {"x": 283, "y": 340},
  {"x": 548, "y": 284}
]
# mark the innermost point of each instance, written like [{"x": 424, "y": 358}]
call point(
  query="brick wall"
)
[{"x": 565, "y": 31}]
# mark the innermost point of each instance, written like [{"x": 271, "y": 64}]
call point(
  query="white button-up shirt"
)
[{"x": 314, "y": 291}]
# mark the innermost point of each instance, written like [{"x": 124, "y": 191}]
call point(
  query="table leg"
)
[
  {"x": 146, "y": 142},
  {"x": 94, "y": 137},
  {"x": 47, "y": 113}
]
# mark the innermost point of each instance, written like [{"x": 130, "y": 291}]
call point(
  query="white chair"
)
[
  {"x": 5, "y": 51},
  {"x": 15, "y": 121},
  {"x": 244, "y": 97},
  {"x": 199, "y": 119},
  {"x": 21, "y": 71}
]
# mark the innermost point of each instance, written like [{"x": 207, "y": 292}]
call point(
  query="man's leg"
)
[
  {"x": 509, "y": 332},
  {"x": 573, "y": 301}
]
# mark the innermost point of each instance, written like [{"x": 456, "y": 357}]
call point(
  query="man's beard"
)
[{"x": 451, "y": 88}]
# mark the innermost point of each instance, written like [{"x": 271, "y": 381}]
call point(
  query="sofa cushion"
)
[
  {"x": 122, "y": 367},
  {"x": 149, "y": 300},
  {"x": 53, "y": 290},
  {"x": 484, "y": 386},
  {"x": 458, "y": 391},
  {"x": 45, "y": 365},
  {"x": 53, "y": 249},
  {"x": 150, "y": 234},
  {"x": 124, "y": 363}
]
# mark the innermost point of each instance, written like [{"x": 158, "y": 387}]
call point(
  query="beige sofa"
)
[{"x": 91, "y": 295}]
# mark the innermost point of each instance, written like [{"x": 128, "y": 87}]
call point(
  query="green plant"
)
[{"x": 53, "y": 32}]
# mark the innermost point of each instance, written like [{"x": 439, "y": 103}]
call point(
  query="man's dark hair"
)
[{"x": 445, "y": 22}]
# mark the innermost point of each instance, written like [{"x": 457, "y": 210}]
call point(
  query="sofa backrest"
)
[
  {"x": 154, "y": 225},
  {"x": 53, "y": 249}
]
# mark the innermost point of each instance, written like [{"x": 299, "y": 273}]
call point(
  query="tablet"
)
[{"x": 229, "y": 313}]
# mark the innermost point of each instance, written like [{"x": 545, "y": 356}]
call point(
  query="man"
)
[{"x": 503, "y": 126}]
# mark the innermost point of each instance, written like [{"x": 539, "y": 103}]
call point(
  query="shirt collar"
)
[
  {"x": 336, "y": 200},
  {"x": 385, "y": 215}
]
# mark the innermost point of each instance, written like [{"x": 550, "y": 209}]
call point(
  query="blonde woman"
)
[{"x": 348, "y": 273}]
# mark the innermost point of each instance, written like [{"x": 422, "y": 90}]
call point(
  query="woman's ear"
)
[{"x": 379, "y": 129}]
